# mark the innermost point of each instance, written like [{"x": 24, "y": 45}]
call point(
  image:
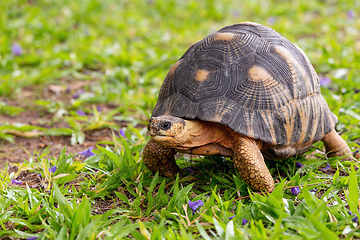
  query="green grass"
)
[{"x": 121, "y": 51}]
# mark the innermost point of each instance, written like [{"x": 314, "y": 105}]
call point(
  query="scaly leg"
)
[
  {"x": 157, "y": 157},
  {"x": 250, "y": 163},
  {"x": 336, "y": 146}
]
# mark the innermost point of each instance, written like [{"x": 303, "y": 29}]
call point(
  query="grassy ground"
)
[{"x": 86, "y": 74}]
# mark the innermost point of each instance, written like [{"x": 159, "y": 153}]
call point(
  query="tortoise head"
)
[{"x": 167, "y": 130}]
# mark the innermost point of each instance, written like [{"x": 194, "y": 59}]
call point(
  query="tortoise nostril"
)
[{"x": 165, "y": 126}]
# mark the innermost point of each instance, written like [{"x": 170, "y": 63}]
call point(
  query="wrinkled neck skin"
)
[{"x": 199, "y": 133}]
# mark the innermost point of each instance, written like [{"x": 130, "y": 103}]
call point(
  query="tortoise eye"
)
[{"x": 166, "y": 126}]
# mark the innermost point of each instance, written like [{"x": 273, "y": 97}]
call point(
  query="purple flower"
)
[
  {"x": 235, "y": 13},
  {"x": 314, "y": 190},
  {"x": 350, "y": 14},
  {"x": 232, "y": 217},
  {"x": 271, "y": 20},
  {"x": 189, "y": 170},
  {"x": 53, "y": 169},
  {"x": 355, "y": 219},
  {"x": 298, "y": 164},
  {"x": 68, "y": 89},
  {"x": 16, "y": 49},
  {"x": 87, "y": 152},
  {"x": 80, "y": 112},
  {"x": 244, "y": 221},
  {"x": 77, "y": 94},
  {"x": 14, "y": 181},
  {"x": 86, "y": 32},
  {"x": 324, "y": 81},
  {"x": 295, "y": 190},
  {"x": 122, "y": 132},
  {"x": 99, "y": 108},
  {"x": 195, "y": 205},
  {"x": 327, "y": 167},
  {"x": 31, "y": 238}
]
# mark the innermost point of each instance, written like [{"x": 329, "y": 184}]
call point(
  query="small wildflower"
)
[
  {"x": 77, "y": 94},
  {"x": 16, "y": 49},
  {"x": 80, "y": 112},
  {"x": 14, "y": 181},
  {"x": 53, "y": 169},
  {"x": 99, "y": 108},
  {"x": 188, "y": 169},
  {"x": 232, "y": 217},
  {"x": 68, "y": 90},
  {"x": 86, "y": 32},
  {"x": 295, "y": 190},
  {"x": 31, "y": 238},
  {"x": 298, "y": 164},
  {"x": 324, "y": 81},
  {"x": 271, "y": 20},
  {"x": 195, "y": 205},
  {"x": 350, "y": 14},
  {"x": 355, "y": 219},
  {"x": 244, "y": 221},
  {"x": 87, "y": 152},
  {"x": 235, "y": 13},
  {"x": 122, "y": 132},
  {"x": 327, "y": 167}
]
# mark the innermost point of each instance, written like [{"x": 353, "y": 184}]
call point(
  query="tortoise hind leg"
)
[
  {"x": 251, "y": 165},
  {"x": 335, "y": 145},
  {"x": 157, "y": 157}
]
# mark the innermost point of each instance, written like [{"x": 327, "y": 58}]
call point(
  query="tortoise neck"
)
[{"x": 202, "y": 132}]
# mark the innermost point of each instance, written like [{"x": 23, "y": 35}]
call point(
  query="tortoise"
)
[{"x": 244, "y": 92}]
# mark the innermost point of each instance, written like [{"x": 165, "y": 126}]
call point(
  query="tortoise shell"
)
[{"x": 250, "y": 78}]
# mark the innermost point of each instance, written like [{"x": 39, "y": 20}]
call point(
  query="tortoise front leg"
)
[
  {"x": 336, "y": 146},
  {"x": 251, "y": 165},
  {"x": 157, "y": 157}
]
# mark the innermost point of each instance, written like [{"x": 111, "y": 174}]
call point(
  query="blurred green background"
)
[{"x": 128, "y": 46}]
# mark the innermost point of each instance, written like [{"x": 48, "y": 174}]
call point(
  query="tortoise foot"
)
[
  {"x": 335, "y": 146},
  {"x": 157, "y": 157},
  {"x": 251, "y": 165}
]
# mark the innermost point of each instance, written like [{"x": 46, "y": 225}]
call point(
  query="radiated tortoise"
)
[{"x": 244, "y": 92}]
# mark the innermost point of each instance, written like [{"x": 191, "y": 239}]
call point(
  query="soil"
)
[{"x": 25, "y": 147}]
